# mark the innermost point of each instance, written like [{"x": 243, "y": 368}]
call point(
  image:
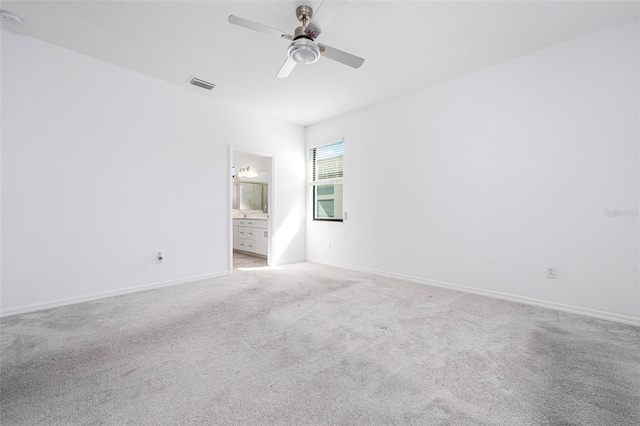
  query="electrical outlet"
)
[
  {"x": 552, "y": 272},
  {"x": 160, "y": 257},
  {"x": 327, "y": 244}
]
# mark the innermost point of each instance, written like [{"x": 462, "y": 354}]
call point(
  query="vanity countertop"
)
[{"x": 252, "y": 217}]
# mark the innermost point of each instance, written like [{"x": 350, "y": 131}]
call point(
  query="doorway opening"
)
[{"x": 251, "y": 209}]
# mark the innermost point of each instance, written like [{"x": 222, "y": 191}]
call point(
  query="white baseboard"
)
[
  {"x": 593, "y": 313},
  {"x": 104, "y": 294},
  {"x": 288, "y": 261}
]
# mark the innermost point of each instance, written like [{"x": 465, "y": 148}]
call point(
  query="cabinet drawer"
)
[
  {"x": 247, "y": 245},
  {"x": 262, "y": 224},
  {"x": 247, "y": 233},
  {"x": 251, "y": 233}
]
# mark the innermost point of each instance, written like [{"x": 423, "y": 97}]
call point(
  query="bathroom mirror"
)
[{"x": 251, "y": 196}]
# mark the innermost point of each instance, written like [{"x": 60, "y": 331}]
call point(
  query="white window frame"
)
[{"x": 333, "y": 181}]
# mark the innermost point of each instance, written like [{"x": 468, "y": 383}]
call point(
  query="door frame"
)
[{"x": 270, "y": 197}]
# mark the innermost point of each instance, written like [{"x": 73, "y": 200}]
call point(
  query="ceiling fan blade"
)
[
  {"x": 258, "y": 27},
  {"x": 323, "y": 16},
  {"x": 340, "y": 56},
  {"x": 286, "y": 69}
]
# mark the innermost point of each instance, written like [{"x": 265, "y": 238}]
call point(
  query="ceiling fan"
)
[{"x": 303, "y": 48}]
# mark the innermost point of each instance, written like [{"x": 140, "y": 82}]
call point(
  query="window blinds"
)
[{"x": 327, "y": 164}]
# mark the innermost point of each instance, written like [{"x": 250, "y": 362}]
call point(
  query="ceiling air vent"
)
[{"x": 201, "y": 83}]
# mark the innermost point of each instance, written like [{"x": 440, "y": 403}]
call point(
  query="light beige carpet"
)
[{"x": 311, "y": 344}]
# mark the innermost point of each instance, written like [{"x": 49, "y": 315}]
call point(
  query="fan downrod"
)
[{"x": 304, "y": 15}]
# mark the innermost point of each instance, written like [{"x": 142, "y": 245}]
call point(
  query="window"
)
[{"x": 326, "y": 180}]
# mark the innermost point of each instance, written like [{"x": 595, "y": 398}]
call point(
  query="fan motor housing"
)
[{"x": 301, "y": 32}]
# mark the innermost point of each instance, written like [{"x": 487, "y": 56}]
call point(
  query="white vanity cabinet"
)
[
  {"x": 261, "y": 241},
  {"x": 252, "y": 235}
]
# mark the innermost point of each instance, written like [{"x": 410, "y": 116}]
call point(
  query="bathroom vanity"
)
[{"x": 251, "y": 235}]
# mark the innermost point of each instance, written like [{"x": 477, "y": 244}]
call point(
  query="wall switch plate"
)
[
  {"x": 552, "y": 272},
  {"x": 327, "y": 244}
]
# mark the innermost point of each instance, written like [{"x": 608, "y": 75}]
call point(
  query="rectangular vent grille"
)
[{"x": 202, "y": 83}]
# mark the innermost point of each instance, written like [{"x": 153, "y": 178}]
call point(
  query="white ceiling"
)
[{"x": 406, "y": 44}]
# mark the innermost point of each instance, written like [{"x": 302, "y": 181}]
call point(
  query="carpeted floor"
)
[{"x": 311, "y": 344}]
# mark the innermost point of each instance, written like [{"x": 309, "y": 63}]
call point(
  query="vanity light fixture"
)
[{"x": 247, "y": 173}]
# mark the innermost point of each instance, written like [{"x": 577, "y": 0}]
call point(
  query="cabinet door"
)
[
  {"x": 262, "y": 241},
  {"x": 236, "y": 238}
]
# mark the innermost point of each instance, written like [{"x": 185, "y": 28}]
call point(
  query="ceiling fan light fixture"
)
[{"x": 304, "y": 51}]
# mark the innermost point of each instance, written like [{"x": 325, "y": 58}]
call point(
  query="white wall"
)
[
  {"x": 103, "y": 167},
  {"x": 485, "y": 180},
  {"x": 258, "y": 164}
]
